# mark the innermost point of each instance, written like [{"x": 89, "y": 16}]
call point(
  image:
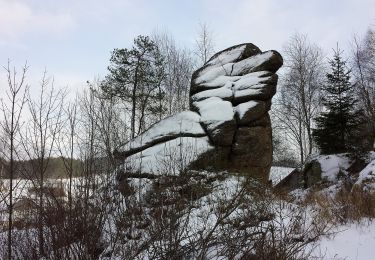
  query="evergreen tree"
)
[
  {"x": 337, "y": 126},
  {"x": 135, "y": 76}
]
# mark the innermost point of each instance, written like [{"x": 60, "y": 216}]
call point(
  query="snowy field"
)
[
  {"x": 351, "y": 242},
  {"x": 23, "y": 188}
]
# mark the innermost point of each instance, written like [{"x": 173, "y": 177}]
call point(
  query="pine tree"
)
[
  {"x": 135, "y": 76},
  {"x": 338, "y": 124}
]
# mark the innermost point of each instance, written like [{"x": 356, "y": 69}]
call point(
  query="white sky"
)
[{"x": 73, "y": 39}]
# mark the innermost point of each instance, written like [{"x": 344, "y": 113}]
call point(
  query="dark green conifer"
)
[{"x": 337, "y": 126}]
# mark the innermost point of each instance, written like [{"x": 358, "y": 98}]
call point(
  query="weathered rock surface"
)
[{"x": 230, "y": 97}]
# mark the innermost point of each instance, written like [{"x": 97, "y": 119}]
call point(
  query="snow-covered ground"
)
[
  {"x": 354, "y": 241},
  {"x": 351, "y": 242}
]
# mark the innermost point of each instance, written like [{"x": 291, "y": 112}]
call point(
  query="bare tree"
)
[
  {"x": 300, "y": 97},
  {"x": 99, "y": 128},
  {"x": 106, "y": 118},
  {"x": 282, "y": 154},
  {"x": 12, "y": 109},
  {"x": 178, "y": 64},
  {"x": 204, "y": 44},
  {"x": 39, "y": 142},
  {"x": 363, "y": 57},
  {"x": 66, "y": 145}
]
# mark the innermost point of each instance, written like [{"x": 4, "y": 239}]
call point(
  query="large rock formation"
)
[{"x": 228, "y": 127}]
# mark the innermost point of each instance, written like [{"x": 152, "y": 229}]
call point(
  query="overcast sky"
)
[{"x": 73, "y": 39}]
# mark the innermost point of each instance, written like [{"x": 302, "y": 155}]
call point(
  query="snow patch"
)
[
  {"x": 168, "y": 158},
  {"x": 223, "y": 92},
  {"x": 211, "y": 73},
  {"x": 244, "y": 107},
  {"x": 221, "y": 81},
  {"x": 227, "y": 56},
  {"x": 182, "y": 123},
  {"x": 251, "y": 79},
  {"x": 215, "y": 111},
  {"x": 352, "y": 241},
  {"x": 251, "y": 92},
  {"x": 367, "y": 176},
  {"x": 332, "y": 164},
  {"x": 278, "y": 173},
  {"x": 250, "y": 64}
]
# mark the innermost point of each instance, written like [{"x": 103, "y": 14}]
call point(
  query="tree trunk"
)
[{"x": 11, "y": 173}]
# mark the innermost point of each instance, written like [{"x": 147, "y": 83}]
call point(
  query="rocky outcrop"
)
[
  {"x": 228, "y": 127},
  {"x": 325, "y": 170}
]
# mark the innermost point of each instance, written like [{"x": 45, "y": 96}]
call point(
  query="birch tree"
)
[{"x": 299, "y": 100}]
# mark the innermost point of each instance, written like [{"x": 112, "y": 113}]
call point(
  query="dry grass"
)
[
  {"x": 347, "y": 205},
  {"x": 355, "y": 204}
]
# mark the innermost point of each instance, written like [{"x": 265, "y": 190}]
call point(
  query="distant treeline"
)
[{"x": 56, "y": 168}]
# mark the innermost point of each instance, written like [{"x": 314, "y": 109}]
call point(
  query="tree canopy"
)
[{"x": 135, "y": 76}]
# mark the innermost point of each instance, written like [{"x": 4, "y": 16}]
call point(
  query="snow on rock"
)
[
  {"x": 332, "y": 164},
  {"x": 221, "y": 81},
  {"x": 208, "y": 76},
  {"x": 366, "y": 177},
  {"x": 223, "y": 92},
  {"x": 251, "y": 110},
  {"x": 252, "y": 64},
  {"x": 221, "y": 64},
  {"x": 335, "y": 170},
  {"x": 169, "y": 157},
  {"x": 251, "y": 79},
  {"x": 256, "y": 92},
  {"x": 226, "y": 87},
  {"x": 217, "y": 116},
  {"x": 278, "y": 173},
  {"x": 232, "y": 90},
  {"x": 227, "y": 57},
  {"x": 244, "y": 107},
  {"x": 186, "y": 123},
  {"x": 214, "y": 111}
]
